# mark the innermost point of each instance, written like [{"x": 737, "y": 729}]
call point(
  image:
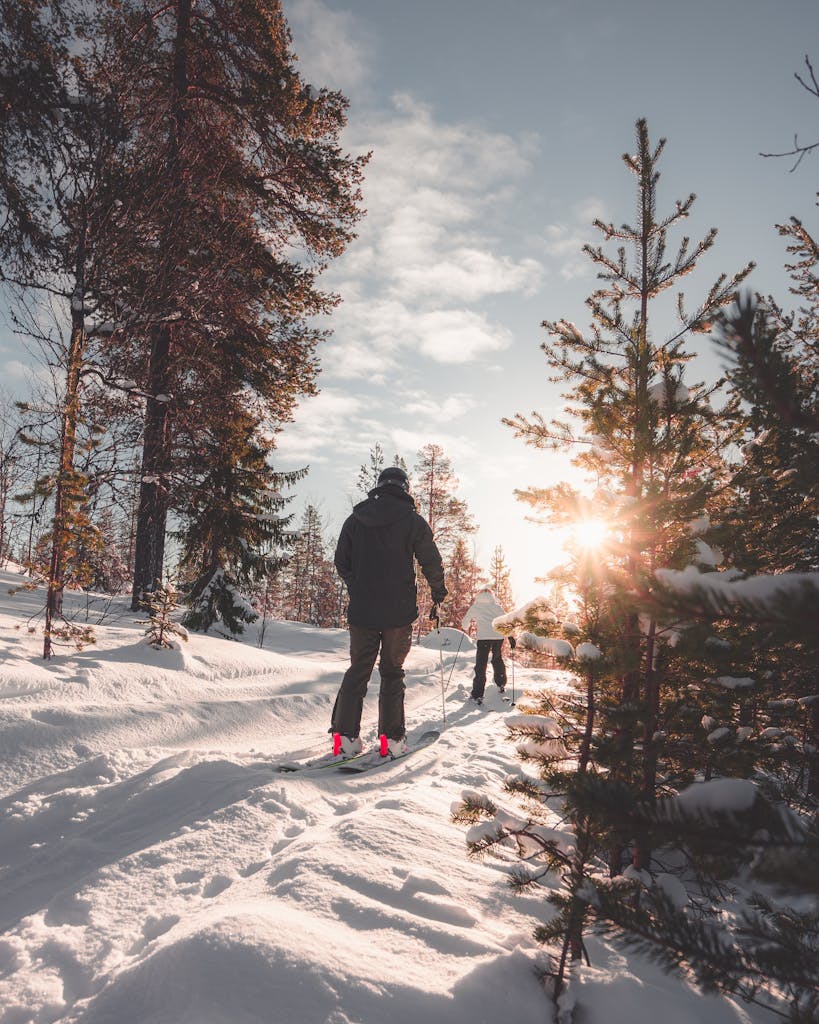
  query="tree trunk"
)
[
  {"x": 152, "y": 513},
  {"x": 63, "y": 493},
  {"x": 642, "y": 851},
  {"x": 813, "y": 763},
  {"x": 585, "y": 746}
]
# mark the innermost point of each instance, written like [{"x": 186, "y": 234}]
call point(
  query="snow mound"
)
[{"x": 448, "y": 639}]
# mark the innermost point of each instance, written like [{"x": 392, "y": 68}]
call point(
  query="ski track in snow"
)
[{"x": 155, "y": 869}]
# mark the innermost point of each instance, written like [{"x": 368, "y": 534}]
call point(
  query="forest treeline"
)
[{"x": 171, "y": 190}]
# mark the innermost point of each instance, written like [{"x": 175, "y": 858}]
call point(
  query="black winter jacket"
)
[{"x": 374, "y": 557}]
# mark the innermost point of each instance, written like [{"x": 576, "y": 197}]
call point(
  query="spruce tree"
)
[
  {"x": 12, "y": 472},
  {"x": 368, "y": 474},
  {"x": 161, "y": 629},
  {"x": 234, "y": 532},
  {"x": 309, "y": 589},
  {"x": 655, "y": 448},
  {"x": 651, "y": 441}
]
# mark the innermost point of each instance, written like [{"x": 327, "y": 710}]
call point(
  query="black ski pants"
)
[
  {"x": 485, "y": 647},
  {"x": 394, "y": 645}
]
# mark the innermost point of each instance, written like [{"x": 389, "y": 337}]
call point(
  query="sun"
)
[{"x": 590, "y": 533}]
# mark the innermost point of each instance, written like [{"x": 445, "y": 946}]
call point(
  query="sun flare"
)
[{"x": 590, "y": 533}]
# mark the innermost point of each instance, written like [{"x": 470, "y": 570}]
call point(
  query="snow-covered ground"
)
[{"x": 156, "y": 869}]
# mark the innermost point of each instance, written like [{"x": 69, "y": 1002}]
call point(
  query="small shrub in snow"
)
[{"x": 161, "y": 629}]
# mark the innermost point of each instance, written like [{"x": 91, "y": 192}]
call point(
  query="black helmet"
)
[{"x": 394, "y": 475}]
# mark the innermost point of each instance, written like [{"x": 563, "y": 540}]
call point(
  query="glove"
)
[
  {"x": 433, "y": 613},
  {"x": 512, "y": 643}
]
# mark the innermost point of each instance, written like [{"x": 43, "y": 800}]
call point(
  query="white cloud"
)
[
  {"x": 458, "y": 335},
  {"x": 13, "y": 369},
  {"x": 563, "y": 242},
  {"x": 429, "y": 250},
  {"x": 587, "y": 210},
  {"x": 330, "y": 45},
  {"x": 432, "y": 190},
  {"x": 466, "y": 274},
  {"x": 435, "y": 411},
  {"x": 409, "y": 443},
  {"x": 321, "y": 428}
]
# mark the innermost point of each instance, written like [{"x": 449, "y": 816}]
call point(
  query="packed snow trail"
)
[{"x": 154, "y": 869}]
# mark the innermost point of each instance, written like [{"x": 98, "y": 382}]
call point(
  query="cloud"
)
[
  {"x": 417, "y": 403},
  {"x": 433, "y": 194},
  {"x": 321, "y": 428},
  {"x": 590, "y": 209},
  {"x": 430, "y": 249},
  {"x": 331, "y": 45},
  {"x": 563, "y": 242},
  {"x": 409, "y": 443},
  {"x": 459, "y": 335},
  {"x": 466, "y": 274},
  {"x": 13, "y": 369},
  {"x": 371, "y": 338}
]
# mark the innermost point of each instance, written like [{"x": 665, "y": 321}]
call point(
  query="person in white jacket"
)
[{"x": 483, "y": 610}]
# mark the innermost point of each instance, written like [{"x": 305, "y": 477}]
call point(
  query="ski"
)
[
  {"x": 324, "y": 761},
  {"x": 373, "y": 759}
]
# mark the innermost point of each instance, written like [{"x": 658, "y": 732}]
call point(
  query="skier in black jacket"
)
[{"x": 374, "y": 556}]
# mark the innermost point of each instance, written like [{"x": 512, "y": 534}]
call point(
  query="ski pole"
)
[
  {"x": 512, "y": 656},
  {"x": 434, "y": 617},
  {"x": 455, "y": 659}
]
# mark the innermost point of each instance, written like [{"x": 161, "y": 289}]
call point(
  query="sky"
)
[{"x": 496, "y": 133}]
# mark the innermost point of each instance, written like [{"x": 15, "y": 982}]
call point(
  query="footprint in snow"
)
[
  {"x": 71, "y": 910},
  {"x": 156, "y": 926},
  {"x": 252, "y": 869},
  {"x": 216, "y": 885},
  {"x": 188, "y": 876},
  {"x": 153, "y": 928}
]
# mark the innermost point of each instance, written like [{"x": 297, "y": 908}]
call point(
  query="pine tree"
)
[
  {"x": 62, "y": 139},
  {"x": 161, "y": 602},
  {"x": 462, "y": 576},
  {"x": 655, "y": 448},
  {"x": 653, "y": 443},
  {"x": 368, "y": 474},
  {"x": 434, "y": 489},
  {"x": 499, "y": 579},
  {"x": 310, "y": 588},
  {"x": 12, "y": 470},
  {"x": 244, "y": 197}
]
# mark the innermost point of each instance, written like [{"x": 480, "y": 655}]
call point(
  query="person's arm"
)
[
  {"x": 344, "y": 553},
  {"x": 429, "y": 558},
  {"x": 468, "y": 618}
]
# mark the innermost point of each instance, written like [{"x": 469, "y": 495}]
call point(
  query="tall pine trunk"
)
[
  {"x": 65, "y": 489},
  {"x": 149, "y": 549},
  {"x": 813, "y": 762},
  {"x": 152, "y": 511}
]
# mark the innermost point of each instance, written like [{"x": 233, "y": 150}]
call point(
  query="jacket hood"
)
[{"x": 384, "y": 505}]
